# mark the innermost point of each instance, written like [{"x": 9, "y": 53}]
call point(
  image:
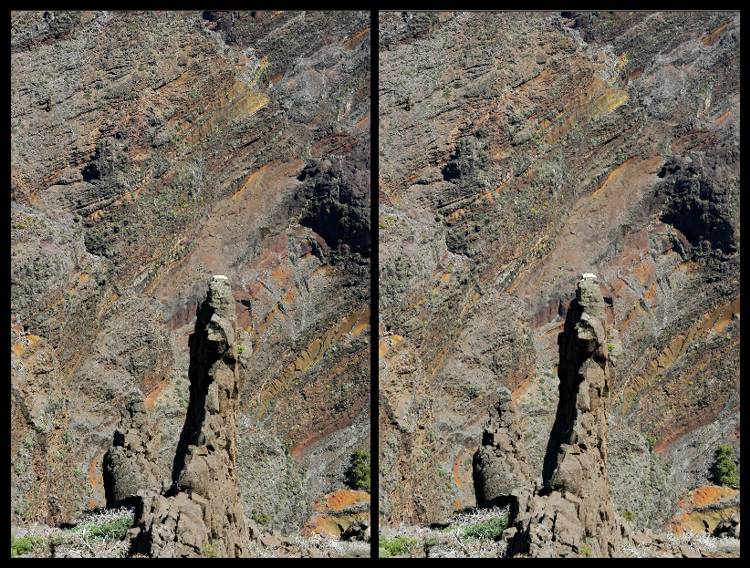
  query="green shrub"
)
[
  {"x": 260, "y": 518},
  {"x": 724, "y": 469},
  {"x": 209, "y": 550},
  {"x": 628, "y": 515},
  {"x": 358, "y": 474},
  {"x": 490, "y": 529},
  {"x": 398, "y": 546},
  {"x": 25, "y": 544},
  {"x": 112, "y": 529},
  {"x": 585, "y": 549}
]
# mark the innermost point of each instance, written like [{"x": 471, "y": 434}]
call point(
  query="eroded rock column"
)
[
  {"x": 572, "y": 514},
  {"x": 201, "y": 513},
  {"x": 129, "y": 464}
]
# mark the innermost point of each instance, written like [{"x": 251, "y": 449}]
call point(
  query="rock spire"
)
[{"x": 201, "y": 513}]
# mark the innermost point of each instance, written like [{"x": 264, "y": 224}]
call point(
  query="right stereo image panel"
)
[{"x": 559, "y": 256}]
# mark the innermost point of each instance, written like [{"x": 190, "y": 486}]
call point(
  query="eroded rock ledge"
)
[{"x": 201, "y": 511}]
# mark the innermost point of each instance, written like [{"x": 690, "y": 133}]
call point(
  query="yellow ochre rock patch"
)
[
  {"x": 334, "y": 512},
  {"x": 701, "y": 520},
  {"x": 597, "y": 99}
]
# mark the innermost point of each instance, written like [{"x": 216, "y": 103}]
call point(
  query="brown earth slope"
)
[
  {"x": 150, "y": 150},
  {"x": 536, "y": 147}
]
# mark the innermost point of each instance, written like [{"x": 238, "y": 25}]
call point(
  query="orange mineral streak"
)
[
  {"x": 335, "y": 511},
  {"x": 94, "y": 473},
  {"x": 701, "y": 509},
  {"x": 349, "y": 327},
  {"x": 340, "y": 500},
  {"x": 150, "y": 400},
  {"x": 363, "y": 122},
  {"x": 707, "y": 495},
  {"x": 711, "y": 38},
  {"x": 357, "y": 38},
  {"x": 254, "y": 179},
  {"x": 722, "y": 118},
  {"x": 457, "y": 476}
]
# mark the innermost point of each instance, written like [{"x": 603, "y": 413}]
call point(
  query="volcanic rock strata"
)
[
  {"x": 202, "y": 510},
  {"x": 538, "y": 146},
  {"x": 149, "y": 151}
]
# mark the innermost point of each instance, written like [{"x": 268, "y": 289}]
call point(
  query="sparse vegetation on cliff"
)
[
  {"x": 209, "y": 550},
  {"x": 397, "y": 546},
  {"x": 101, "y": 534},
  {"x": 490, "y": 529},
  {"x": 358, "y": 474},
  {"x": 724, "y": 469},
  {"x": 25, "y": 544}
]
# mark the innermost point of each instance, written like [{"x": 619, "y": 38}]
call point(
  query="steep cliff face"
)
[
  {"x": 536, "y": 147},
  {"x": 150, "y": 150}
]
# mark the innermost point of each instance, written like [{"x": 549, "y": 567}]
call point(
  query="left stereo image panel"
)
[{"x": 190, "y": 284}]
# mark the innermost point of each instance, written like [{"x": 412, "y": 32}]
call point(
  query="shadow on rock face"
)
[{"x": 201, "y": 359}]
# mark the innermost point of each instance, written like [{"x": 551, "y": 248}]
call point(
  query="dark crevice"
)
[
  {"x": 565, "y": 417},
  {"x": 91, "y": 172}
]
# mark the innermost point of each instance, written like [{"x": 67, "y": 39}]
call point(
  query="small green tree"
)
[
  {"x": 358, "y": 474},
  {"x": 724, "y": 469}
]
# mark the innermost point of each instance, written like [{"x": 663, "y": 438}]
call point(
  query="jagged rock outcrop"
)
[
  {"x": 729, "y": 527},
  {"x": 201, "y": 513},
  {"x": 499, "y": 464},
  {"x": 572, "y": 513},
  {"x": 129, "y": 462}
]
